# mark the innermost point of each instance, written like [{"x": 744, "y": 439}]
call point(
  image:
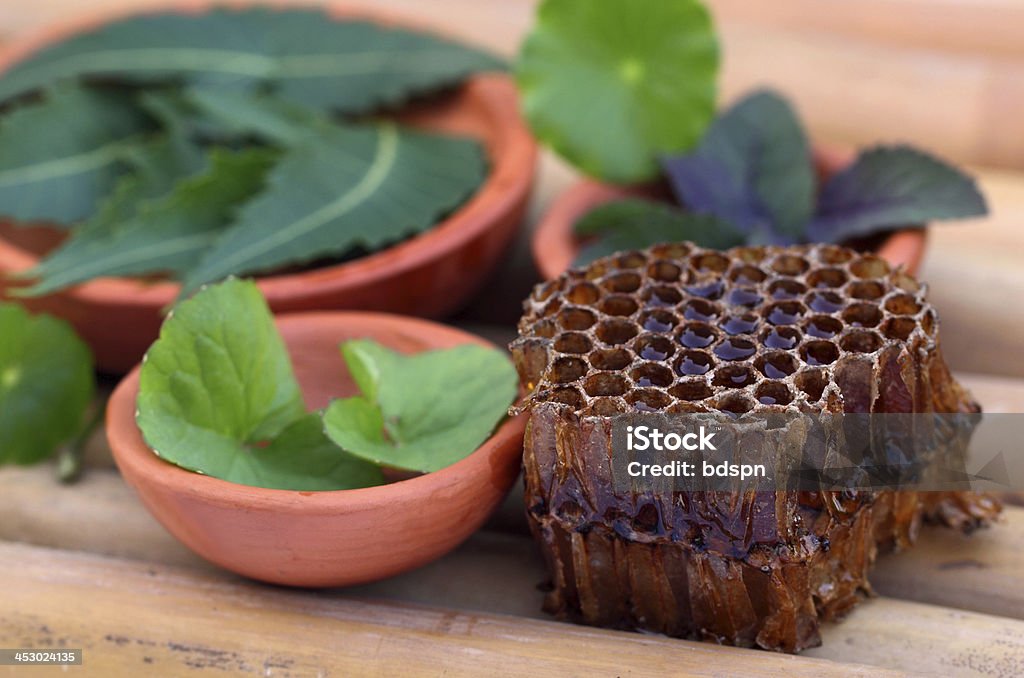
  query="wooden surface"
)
[{"x": 86, "y": 566}]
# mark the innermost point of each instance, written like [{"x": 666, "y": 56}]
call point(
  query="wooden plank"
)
[
  {"x": 925, "y": 639},
  {"x": 983, "y": 571},
  {"x": 130, "y": 617}
]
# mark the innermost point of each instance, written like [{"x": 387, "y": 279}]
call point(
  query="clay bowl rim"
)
[
  {"x": 139, "y": 464},
  {"x": 553, "y": 240},
  {"x": 510, "y": 176}
]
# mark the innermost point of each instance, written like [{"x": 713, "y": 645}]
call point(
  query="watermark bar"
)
[{"x": 40, "y": 657}]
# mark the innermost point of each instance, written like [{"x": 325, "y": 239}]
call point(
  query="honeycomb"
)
[{"x": 678, "y": 328}]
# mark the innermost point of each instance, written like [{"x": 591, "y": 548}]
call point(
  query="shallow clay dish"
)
[
  {"x": 323, "y": 538},
  {"x": 429, "y": 275},
  {"x": 555, "y": 246}
]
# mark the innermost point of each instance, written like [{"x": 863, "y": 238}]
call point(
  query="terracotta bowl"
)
[
  {"x": 323, "y": 538},
  {"x": 430, "y": 275},
  {"x": 555, "y": 246}
]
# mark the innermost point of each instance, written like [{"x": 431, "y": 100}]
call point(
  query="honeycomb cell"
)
[
  {"x": 902, "y": 304},
  {"x": 734, "y": 376},
  {"x": 618, "y": 304},
  {"x": 545, "y": 328},
  {"x": 819, "y": 352},
  {"x": 606, "y": 407},
  {"x": 776, "y": 364},
  {"x": 611, "y": 359},
  {"x": 658, "y": 320},
  {"x": 833, "y": 254},
  {"x": 664, "y": 271},
  {"x": 606, "y": 384},
  {"x": 551, "y": 308},
  {"x": 736, "y": 403},
  {"x": 827, "y": 278},
  {"x": 783, "y": 338},
  {"x": 707, "y": 290},
  {"x": 744, "y": 296},
  {"x": 622, "y": 283},
  {"x": 824, "y": 302},
  {"x": 576, "y": 319},
  {"x": 661, "y": 296},
  {"x": 790, "y": 264},
  {"x": 630, "y": 260},
  {"x": 697, "y": 335},
  {"x": 567, "y": 396},
  {"x": 573, "y": 342},
  {"x": 773, "y": 393},
  {"x": 735, "y": 348},
  {"x": 785, "y": 312},
  {"x": 746, "y": 323},
  {"x": 693, "y": 363},
  {"x": 863, "y": 315},
  {"x": 583, "y": 294},
  {"x": 870, "y": 266},
  {"x": 905, "y": 282},
  {"x": 868, "y": 290},
  {"x": 654, "y": 347},
  {"x": 747, "y": 275},
  {"x": 615, "y": 331},
  {"x": 861, "y": 341},
  {"x": 672, "y": 250},
  {"x": 566, "y": 369},
  {"x": 544, "y": 291},
  {"x": 709, "y": 262},
  {"x": 691, "y": 390},
  {"x": 699, "y": 309},
  {"x": 648, "y": 399},
  {"x": 898, "y": 328},
  {"x": 812, "y": 383},
  {"x": 786, "y": 289},
  {"x": 822, "y": 326},
  {"x": 650, "y": 374},
  {"x": 750, "y": 254}
]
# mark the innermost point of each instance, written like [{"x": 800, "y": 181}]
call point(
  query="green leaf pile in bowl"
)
[
  {"x": 237, "y": 141},
  {"x": 218, "y": 396}
]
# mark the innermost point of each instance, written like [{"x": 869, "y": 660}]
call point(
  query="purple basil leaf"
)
[
  {"x": 752, "y": 169},
  {"x": 888, "y": 187}
]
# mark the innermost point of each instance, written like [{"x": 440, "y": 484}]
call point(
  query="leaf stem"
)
[{"x": 70, "y": 457}]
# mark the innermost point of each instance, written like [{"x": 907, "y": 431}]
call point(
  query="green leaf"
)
[
  {"x": 256, "y": 114},
  {"x": 46, "y": 384},
  {"x": 634, "y": 223},
  {"x": 421, "y": 412},
  {"x": 889, "y": 187},
  {"x": 612, "y": 85},
  {"x": 347, "y": 187},
  {"x": 217, "y": 395},
  {"x": 303, "y": 55},
  {"x": 165, "y": 235},
  {"x": 752, "y": 169},
  {"x": 61, "y": 175}
]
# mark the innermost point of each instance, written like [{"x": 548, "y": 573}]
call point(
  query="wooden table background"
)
[{"x": 87, "y": 567}]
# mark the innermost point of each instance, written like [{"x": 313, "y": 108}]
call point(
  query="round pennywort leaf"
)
[{"x": 611, "y": 85}]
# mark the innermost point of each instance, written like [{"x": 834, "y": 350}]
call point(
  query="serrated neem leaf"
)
[
  {"x": 166, "y": 235},
  {"x": 263, "y": 116},
  {"x": 46, "y": 384},
  {"x": 155, "y": 167},
  {"x": 612, "y": 85},
  {"x": 635, "y": 223},
  {"x": 423, "y": 412},
  {"x": 752, "y": 169},
  {"x": 347, "y": 187},
  {"x": 62, "y": 175},
  {"x": 887, "y": 187},
  {"x": 303, "y": 54}
]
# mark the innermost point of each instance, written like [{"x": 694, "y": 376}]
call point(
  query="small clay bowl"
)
[
  {"x": 319, "y": 539},
  {"x": 555, "y": 246},
  {"x": 430, "y": 275}
]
